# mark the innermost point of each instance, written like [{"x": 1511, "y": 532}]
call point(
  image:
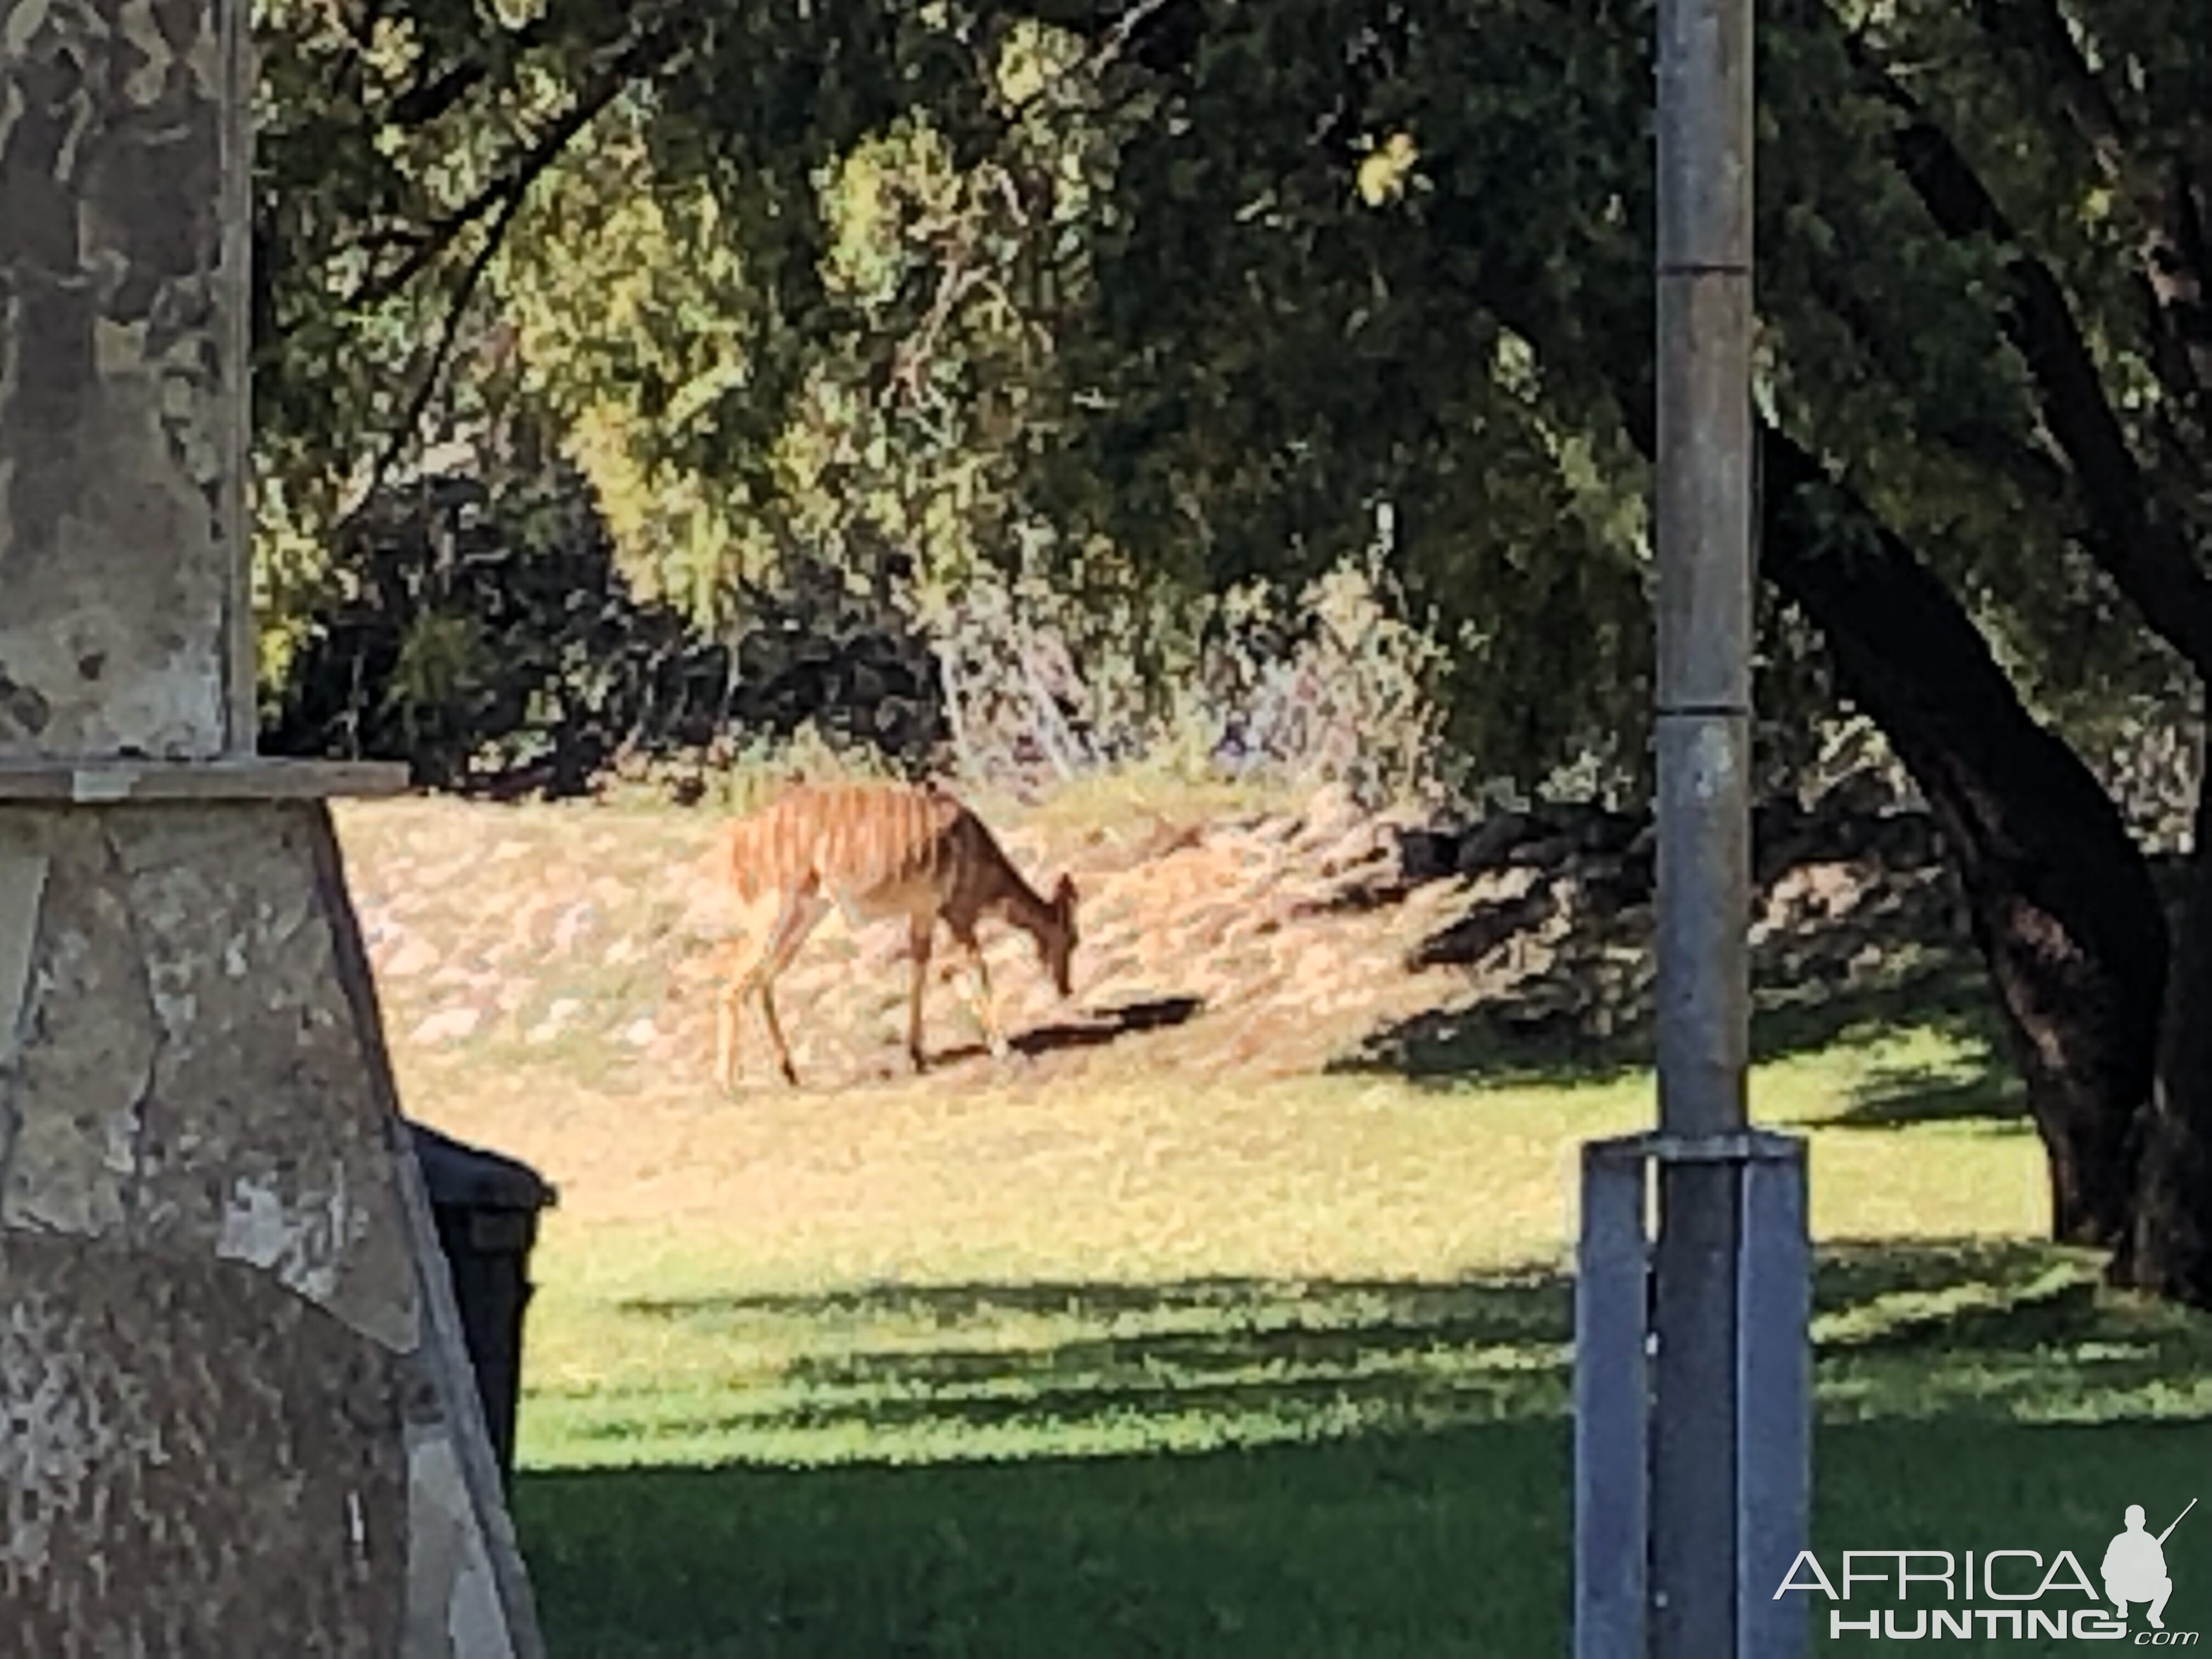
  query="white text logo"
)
[{"x": 2132, "y": 1572}]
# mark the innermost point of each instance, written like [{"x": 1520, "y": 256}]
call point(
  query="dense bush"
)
[{"x": 487, "y": 638}]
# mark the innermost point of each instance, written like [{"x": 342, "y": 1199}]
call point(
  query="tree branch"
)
[
  {"x": 2037, "y": 29},
  {"x": 1982, "y": 442},
  {"x": 427, "y": 99},
  {"x": 1124, "y": 28},
  {"x": 2175, "y": 268},
  {"x": 646, "y": 53},
  {"x": 449, "y": 329},
  {"x": 2145, "y": 554}
]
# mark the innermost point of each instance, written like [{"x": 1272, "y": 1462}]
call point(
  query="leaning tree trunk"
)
[
  {"x": 2080, "y": 1004},
  {"x": 2167, "y": 1249},
  {"x": 2061, "y": 898},
  {"x": 2059, "y": 894}
]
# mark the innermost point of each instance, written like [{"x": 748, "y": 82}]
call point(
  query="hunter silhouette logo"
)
[
  {"x": 2135, "y": 1565},
  {"x": 1999, "y": 1595}
]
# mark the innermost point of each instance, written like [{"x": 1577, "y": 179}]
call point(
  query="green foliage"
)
[
  {"x": 493, "y": 639},
  {"x": 393, "y": 150},
  {"x": 914, "y": 370},
  {"x": 442, "y": 660},
  {"x": 1072, "y": 325}
]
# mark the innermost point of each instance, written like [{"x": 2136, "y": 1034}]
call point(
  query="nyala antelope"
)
[{"x": 877, "y": 851}]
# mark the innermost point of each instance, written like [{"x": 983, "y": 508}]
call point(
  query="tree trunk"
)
[
  {"x": 2060, "y": 896},
  {"x": 2169, "y": 1248},
  {"x": 2082, "y": 1015}
]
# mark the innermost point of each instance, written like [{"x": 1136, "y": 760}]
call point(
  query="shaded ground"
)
[
  {"x": 1373, "y": 1470},
  {"x": 1448, "y": 1545},
  {"x": 1937, "y": 1328}
]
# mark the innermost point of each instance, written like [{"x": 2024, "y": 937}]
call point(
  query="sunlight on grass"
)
[
  {"x": 1290, "y": 1261},
  {"x": 1185, "y": 1343}
]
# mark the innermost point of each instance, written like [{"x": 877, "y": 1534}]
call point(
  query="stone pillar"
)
[
  {"x": 124, "y": 625},
  {"x": 236, "y": 1417}
]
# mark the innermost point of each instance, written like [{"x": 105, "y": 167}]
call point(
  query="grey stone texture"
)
[
  {"x": 235, "y": 1415},
  {"x": 124, "y": 622},
  {"x": 236, "y": 1419},
  {"x": 151, "y": 1503},
  {"x": 187, "y": 1077}
]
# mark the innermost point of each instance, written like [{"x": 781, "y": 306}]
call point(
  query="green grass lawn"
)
[
  {"x": 1447, "y": 1543},
  {"x": 1304, "y": 1395}
]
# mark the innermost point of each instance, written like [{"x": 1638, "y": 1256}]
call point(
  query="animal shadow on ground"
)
[{"x": 1101, "y": 1027}]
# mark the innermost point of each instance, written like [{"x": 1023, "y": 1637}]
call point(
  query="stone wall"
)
[{"x": 235, "y": 1420}]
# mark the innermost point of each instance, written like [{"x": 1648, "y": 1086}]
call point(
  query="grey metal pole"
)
[
  {"x": 1704, "y": 537},
  {"x": 1703, "y": 704}
]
